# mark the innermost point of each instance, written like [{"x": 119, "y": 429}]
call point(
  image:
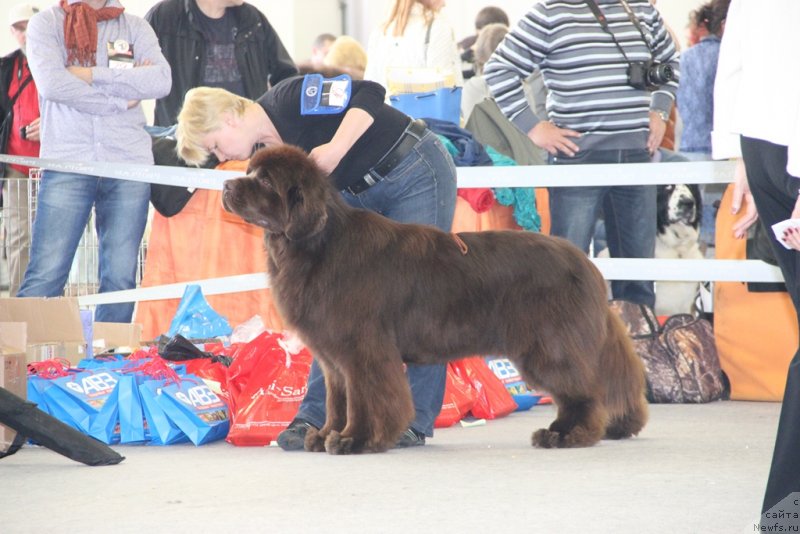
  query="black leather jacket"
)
[{"x": 263, "y": 60}]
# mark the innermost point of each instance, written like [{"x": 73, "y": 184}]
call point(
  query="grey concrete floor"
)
[{"x": 694, "y": 468}]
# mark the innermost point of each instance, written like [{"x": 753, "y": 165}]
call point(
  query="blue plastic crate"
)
[{"x": 443, "y": 104}]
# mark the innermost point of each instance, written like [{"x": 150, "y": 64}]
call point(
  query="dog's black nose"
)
[{"x": 686, "y": 202}]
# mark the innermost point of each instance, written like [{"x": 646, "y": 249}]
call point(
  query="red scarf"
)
[{"x": 80, "y": 31}]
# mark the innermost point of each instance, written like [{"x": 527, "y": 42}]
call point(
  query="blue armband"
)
[{"x": 325, "y": 96}]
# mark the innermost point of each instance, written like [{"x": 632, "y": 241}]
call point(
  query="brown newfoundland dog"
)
[{"x": 366, "y": 294}]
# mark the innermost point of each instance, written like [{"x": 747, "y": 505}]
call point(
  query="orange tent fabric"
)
[
  {"x": 756, "y": 333},
  {"x": 205, "y": 241}
]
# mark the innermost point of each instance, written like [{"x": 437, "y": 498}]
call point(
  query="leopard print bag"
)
[{"x": 680, "y": 359}]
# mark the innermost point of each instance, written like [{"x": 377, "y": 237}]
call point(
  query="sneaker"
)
[
  {"x": 410, "y": 438},
  {"x": 294, "y": 437}
]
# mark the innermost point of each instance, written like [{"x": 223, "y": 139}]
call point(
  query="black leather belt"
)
[{"x": 402, "y": 148}]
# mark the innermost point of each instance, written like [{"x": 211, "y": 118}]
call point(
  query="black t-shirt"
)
[
  {"x": 282, "y": 104},
  {"x": 221, "y": 68}
]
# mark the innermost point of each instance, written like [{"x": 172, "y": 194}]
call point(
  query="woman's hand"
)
[
  {"x": 792, "y": 235},
  {"x": 327, "y": 157},
  {"x": 741, "y": 194}
]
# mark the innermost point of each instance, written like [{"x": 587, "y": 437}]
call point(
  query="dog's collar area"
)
[{"x": 460, "y": 242}]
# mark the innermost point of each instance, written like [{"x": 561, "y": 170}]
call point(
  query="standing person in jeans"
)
[
  {"x": 19, "y": 105},
  {"x": 757, "y": 121},
  {"x": 92, "y": 63},
  {"x": 601, "y": 108},
  {"x": 377, "y": 157},
  {"x": 216, "y": 43}
]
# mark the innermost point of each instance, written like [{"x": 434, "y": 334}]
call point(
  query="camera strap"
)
[{"x": 601, "y": 18}]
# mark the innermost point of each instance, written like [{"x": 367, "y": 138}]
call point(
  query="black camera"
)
[{"x": 649, "y": 75}]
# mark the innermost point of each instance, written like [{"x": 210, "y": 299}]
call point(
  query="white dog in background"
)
[{"x": 678, "y": 236}]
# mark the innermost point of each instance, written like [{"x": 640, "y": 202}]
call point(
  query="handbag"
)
[
  {"x": 680, "y": 359},
  {"x": 271, "y": 385},
  {"x": 195, "y": 409}
]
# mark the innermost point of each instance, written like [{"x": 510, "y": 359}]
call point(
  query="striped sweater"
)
[{"x": 584, "y": 71}]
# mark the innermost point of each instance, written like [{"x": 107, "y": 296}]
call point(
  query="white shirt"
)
[
  {"x": 757, "y": 88},
  {"x": 409, "y": 50}
]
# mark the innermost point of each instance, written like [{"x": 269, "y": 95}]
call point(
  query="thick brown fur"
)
[{"x": 366, "y": 294}]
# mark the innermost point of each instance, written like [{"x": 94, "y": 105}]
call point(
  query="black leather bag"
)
[{"x": 758, "y": 247}]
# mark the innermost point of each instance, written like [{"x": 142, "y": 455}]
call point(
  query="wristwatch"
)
[{"x": 663, "y": 114}]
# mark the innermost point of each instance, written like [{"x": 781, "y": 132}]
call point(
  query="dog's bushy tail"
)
[{"x": 625, "y": 390}]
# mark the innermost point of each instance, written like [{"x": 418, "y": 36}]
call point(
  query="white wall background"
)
[{"x": 299, "y": 21}]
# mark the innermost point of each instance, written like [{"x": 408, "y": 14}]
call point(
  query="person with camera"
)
[
  {"x": 19, "y": 136},
  {"x": 611, "y": 72}
]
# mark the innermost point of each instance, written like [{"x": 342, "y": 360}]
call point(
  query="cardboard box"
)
[
  {"x": 13, "y": 369},
  {"x": 116, "y": 335},
  {"x": 54, "y": 327}
]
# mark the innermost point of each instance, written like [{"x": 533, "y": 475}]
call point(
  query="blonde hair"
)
[
  {"x": 203, "y": 112},
  {"x": 399, "y": 13},
  {"x": 348, "y": 55}
]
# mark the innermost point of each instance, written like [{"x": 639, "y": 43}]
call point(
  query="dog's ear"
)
[{"x": 306, "y": 212}]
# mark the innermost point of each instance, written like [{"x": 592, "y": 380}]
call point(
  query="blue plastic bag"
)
[
  {"x": 195, "y": 409},
  {"x": 132, "y": 427},
  {"x": 162, "y": 430},
  {"x": 195, "y": 319},
  {"x": 104, "y": 425}
]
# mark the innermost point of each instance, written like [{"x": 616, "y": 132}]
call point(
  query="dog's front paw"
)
[
  {"x": 546, "y": 439},
  {"x": 315, "y": 441},
  {"x": 335, "y": 443}
]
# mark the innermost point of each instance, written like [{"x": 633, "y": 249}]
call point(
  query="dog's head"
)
[
  {"x": 284, "y": 192},
  {"x": 678, "y": 204}
]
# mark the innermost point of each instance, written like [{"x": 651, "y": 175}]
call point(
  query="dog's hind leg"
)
[
  {"x": 625, "y": 388},
  {"x": 379, "y": 405},
  {"x": 574, "y": 387},
  {"x": 580, "y": 423}
]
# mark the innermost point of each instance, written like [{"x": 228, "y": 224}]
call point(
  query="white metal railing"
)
[{"x": 514, "y": 176}]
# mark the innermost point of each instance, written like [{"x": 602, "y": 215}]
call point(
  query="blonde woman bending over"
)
[{"x": 414, "y": 35}]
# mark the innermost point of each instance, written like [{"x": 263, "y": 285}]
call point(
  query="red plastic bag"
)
[
  {"x": 247, "y": 357},
  {"x": 493, "y": 400},
  {"x": 459, "y": 397},
  {"x": 270, "y": 386},
  {"x": 208, "y": 369}
]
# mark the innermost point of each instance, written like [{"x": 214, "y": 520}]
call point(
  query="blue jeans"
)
[
  {"x": 421, "y": 189},
  {"x": 63, "y": 207},
  {"x": 629, "y": 213}
]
